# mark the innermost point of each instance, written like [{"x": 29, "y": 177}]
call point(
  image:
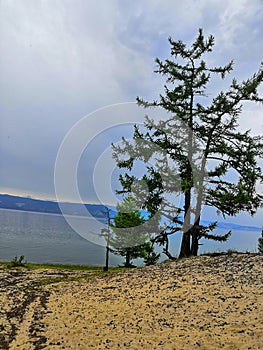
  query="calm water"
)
[{"x": 47, "y": 238}]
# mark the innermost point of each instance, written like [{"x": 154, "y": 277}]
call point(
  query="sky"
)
[{"x": 70, "y": 72}]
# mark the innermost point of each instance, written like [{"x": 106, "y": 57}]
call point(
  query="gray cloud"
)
[{"x": 61, "y": 60}]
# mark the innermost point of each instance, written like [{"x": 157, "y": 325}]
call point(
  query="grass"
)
[
  {"x": 33, "y": 266},
  {"x": 63, "y": 267},
  {"x": 60, "y": 267}
]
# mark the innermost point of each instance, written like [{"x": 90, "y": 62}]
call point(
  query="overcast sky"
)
[{"x": 62, "y": 60}]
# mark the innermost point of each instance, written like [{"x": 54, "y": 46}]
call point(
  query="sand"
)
[{"x": 198, "y": 303}]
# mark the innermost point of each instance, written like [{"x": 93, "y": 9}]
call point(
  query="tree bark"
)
[
  {"x": 185, "y": 246},
  {"x": 185, "y": 250},
  {"x": 128, "y": 259},
  {"x": 195, "y": 240}
]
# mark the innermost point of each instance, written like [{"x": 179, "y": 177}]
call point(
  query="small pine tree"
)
[
  {"x": 151, "y": 256},
  {"x": 128, "y": 240},
  {"x": 260, "y": 243}
]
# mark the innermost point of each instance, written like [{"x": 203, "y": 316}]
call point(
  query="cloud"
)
[
  {"x": 61, "y": 60},
  {"x": 240, "y": 28}
]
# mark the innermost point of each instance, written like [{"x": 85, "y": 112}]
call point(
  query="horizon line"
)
[{"x": 51, "y": 199}]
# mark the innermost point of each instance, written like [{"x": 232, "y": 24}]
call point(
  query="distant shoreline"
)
[{"x": 53, "y": 214}]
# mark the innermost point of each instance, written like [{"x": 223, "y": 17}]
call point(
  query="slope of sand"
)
[{"x": 198, "y": 303}]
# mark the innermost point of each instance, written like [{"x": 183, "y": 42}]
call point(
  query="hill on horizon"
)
[
  {"x": 96, "y": 210},
  {"x": 47, "y": 206}
]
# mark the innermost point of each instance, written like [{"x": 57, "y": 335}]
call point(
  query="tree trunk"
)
[
  {"x": 195, "y": 233},
  {"x": 185, "y": 246},
  {"x": 185, "y": 250},
  {"x": 106, "y": 267},
  {"x": 128, "y": 259},
  {"x": 195, "y": 245},
  {"x": 195, "y": 236}
]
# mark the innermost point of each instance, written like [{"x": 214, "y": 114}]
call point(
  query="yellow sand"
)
[{"x": 188, "y": 304}]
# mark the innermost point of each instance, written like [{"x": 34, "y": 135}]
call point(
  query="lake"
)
[{"x": 48, "y": 238}]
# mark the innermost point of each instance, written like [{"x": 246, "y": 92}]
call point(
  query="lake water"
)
[{"x": 47, "y": 238}]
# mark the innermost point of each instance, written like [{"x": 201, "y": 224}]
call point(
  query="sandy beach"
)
[{"x": 198, "y": 303}]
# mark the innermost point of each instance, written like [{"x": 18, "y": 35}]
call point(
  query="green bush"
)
[{"x": 16, "y": 262}]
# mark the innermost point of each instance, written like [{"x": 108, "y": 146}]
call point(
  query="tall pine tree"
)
[{"x": 197, "y": 150}]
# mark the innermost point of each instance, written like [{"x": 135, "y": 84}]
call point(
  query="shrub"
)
[{"x": 16, "y": 262}]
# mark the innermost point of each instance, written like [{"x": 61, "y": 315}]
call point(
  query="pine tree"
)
[
  {"x": 151, "y": 257},
  {"x": 127, "y": 239},
  {"x": 194, "y": 149}
]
